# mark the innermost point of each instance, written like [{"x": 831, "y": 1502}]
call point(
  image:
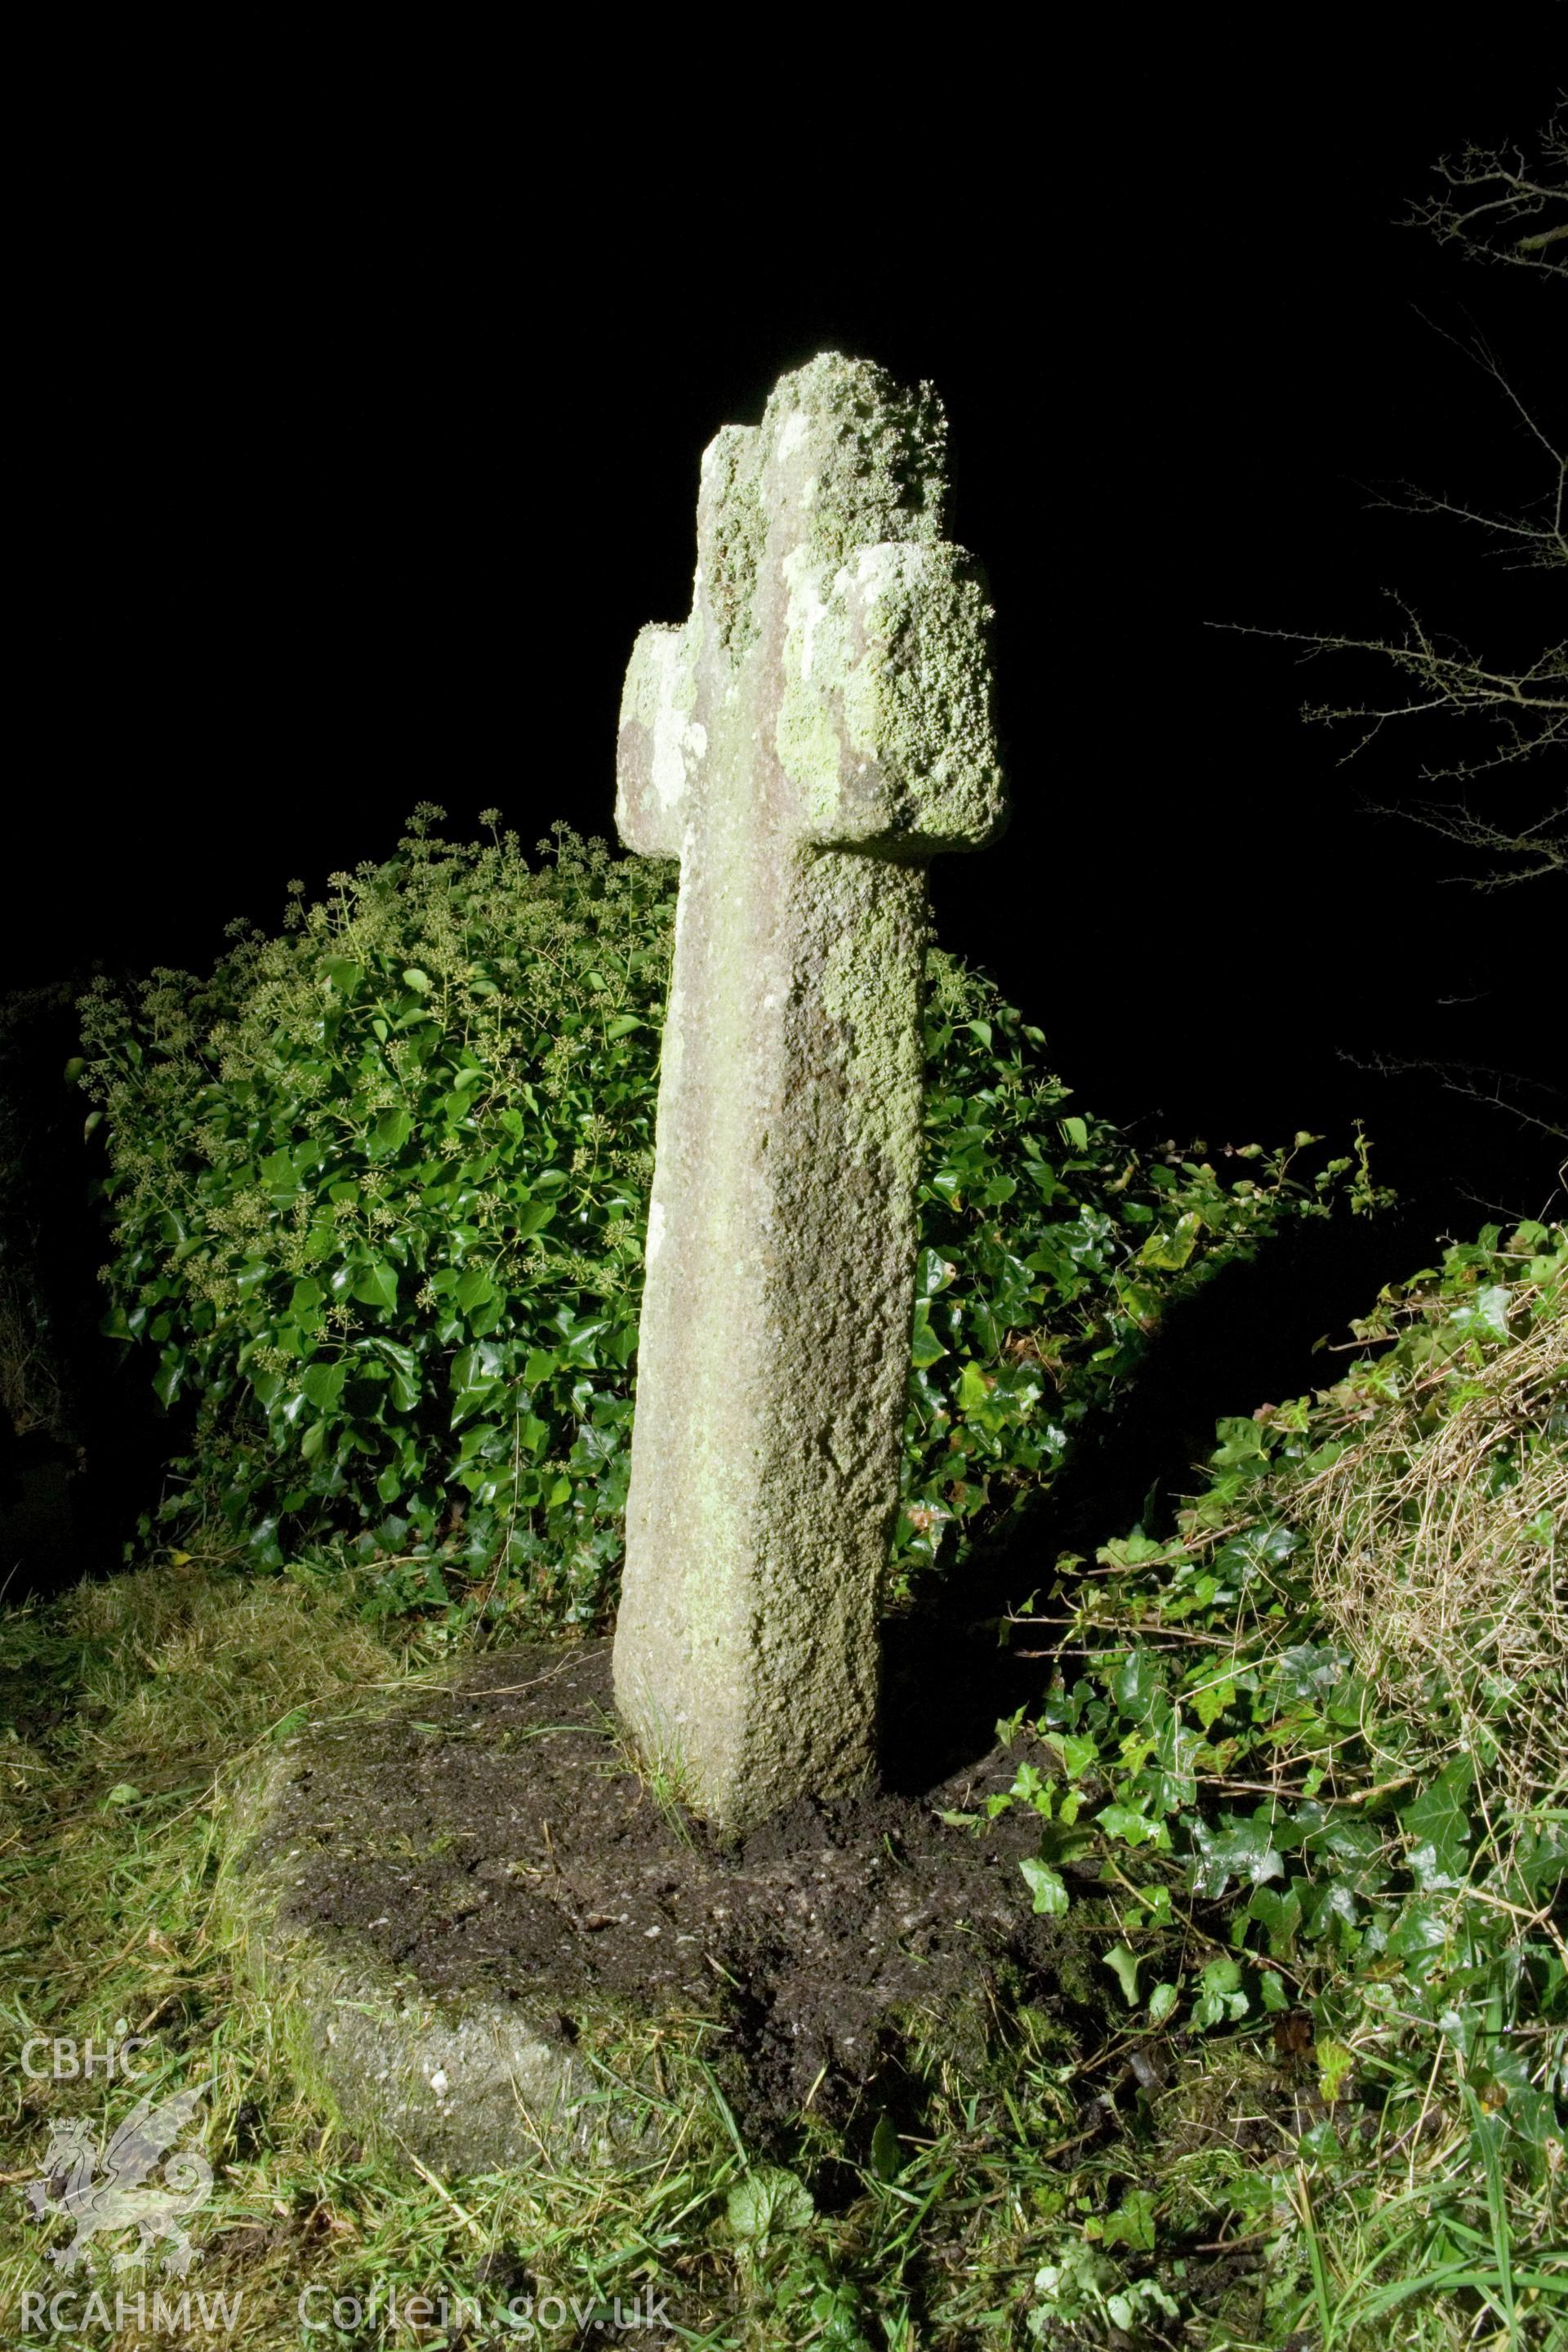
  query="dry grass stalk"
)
[{"x": 1438, "y": 1552}]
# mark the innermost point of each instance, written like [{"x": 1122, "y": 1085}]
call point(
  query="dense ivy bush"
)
[
  {"x": 1301, "y": 1771},
  {"x": 377, "y": 1187}
]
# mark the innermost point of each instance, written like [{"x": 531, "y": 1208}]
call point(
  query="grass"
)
[
  {"x": 1342, "y": 2130},
  {"x": 143, "y": 1701},
  {"x": 1354, "y": 1654}
]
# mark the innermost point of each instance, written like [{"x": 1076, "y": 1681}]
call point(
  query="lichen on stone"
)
[
  {"x": 829, "y": 733},
  {"x": 876, "y": 450},
  {"x": 919, "y": 698},
  {"x": 732, "y": 532}
]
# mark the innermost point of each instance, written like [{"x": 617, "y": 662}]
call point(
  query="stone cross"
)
[{"x": 803, "y": 743}]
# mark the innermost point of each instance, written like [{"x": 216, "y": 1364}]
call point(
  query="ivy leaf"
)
[
  {"x": 1210, "y": 1702},
  {"x": 390, "y": 1133},
  {"x": 322, "y": 1383},
  {"x": 1169, "y": 1252},
  {"x": 1487, "y": 1312},
  {"x": 1219, "y": 1995},
  {"x": 1241, "y": 1850},
  {"x": 404, "y": 1366},
  {"x": 1131, "y": 1827},
  {"x": 376, "y": 1285},
  {"x": 1123, "y": 1966},
  {"x": 932, "y": 1273},
  {"x": 476, "y": 1288},
  {"x": 925, "y": 1348},
  {"x": 476, "y": 1375},
  {"x": 1136, "y": 1682},
  {"x": 1279, "y": 1915},
  {"x": 1046, "y": 1885},
  {"x": 1437, "y": 1828}
]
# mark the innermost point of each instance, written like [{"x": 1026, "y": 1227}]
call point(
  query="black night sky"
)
[{"x": 350, "y": 493}]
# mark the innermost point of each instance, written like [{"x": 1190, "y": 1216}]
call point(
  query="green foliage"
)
[
  {"x": 378, "y": 1190},
  {"x": 377, "y": 1187},
  {"x": 1224, "y": 2124},
  {"x": 1051, "y": 1252},
  {"x": 182, "y": 1673},
  {"x": 1311, "y": 1769}
]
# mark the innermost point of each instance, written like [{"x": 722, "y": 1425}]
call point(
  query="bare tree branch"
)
[
  {"x": 1527, "y": 706},
  {"x": 1518, "y": 708},
  {"x": 1496, "y": 1090},
  {"x": 1537, "y": 849},
  {"x": 1500, "y": 205},
  {"x": 1547, "y": 540},
  {"x": 1490, "y": 192}
]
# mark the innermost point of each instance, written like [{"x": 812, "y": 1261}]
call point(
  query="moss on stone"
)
[
  {"x": 878, "y": 453},
  {"x": 731, "y": 534},
  {"x": 839, "y": 732}
]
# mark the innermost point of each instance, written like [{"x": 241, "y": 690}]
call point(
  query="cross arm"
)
[
  {"x": 884, "y": 719},
  {"x": 662, "y": 743}
]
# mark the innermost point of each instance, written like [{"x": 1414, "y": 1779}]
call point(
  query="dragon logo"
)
[{"x": 119, "y": 2197}]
